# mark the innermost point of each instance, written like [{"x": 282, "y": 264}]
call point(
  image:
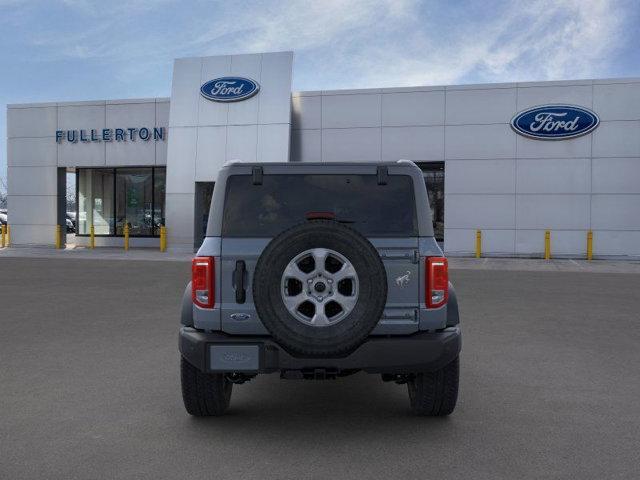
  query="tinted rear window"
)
[{"x": 283, "y": 201}]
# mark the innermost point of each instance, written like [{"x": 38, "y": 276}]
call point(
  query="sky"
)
[{"x": 88, "y": 50}]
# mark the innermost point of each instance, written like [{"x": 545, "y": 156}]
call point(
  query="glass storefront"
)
[{"x": 110, "y": 198}]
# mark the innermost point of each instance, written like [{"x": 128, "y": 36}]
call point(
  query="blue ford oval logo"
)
[
  {"x": 229, "y": 89},
  {"x": 555, "y": 122}
]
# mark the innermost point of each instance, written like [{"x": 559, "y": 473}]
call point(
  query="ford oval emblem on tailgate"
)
[{"x": 240, "y": 316}]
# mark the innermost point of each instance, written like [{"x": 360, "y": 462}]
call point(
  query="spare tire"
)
[{"x": 320, "y": 288}]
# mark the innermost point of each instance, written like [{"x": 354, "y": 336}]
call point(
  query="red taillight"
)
[
  {"x": 202, "y": 284},
  {"x": 437, "y": 281}
]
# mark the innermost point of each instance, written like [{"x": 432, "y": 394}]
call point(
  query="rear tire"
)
[
  {"x": 204, "y": 394},
  {"x": 434, "y": 394}
]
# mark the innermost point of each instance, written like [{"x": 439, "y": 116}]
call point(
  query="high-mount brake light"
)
[
  {"x": 320, "y": 216},
  {"x": 437, "y": 281},
  {"x": 202, "y": 284}
]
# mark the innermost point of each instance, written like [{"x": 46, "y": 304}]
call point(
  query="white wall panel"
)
[
  {"x": 480, "y": 176},
  {"x": 306, "y": 112},
  {"x": 412, "y": 108},
  {"x": 211, "y": 151},
  {"x": 413, "y": 143},
  {"x": 616, "y": 243},
  {"x": 615, "y": 212},
  {"x": 185, "y": 92},
  {"x": 246, "y": 111},
  {"x": 162, "y": 113},
  {"x": 494, "y": 242},
  {"x": 125, "y": 115},
  {"x": 306, "y": 145},
  {"x": 617, "y": 139},
  {"x": 351, "y": 144},
  {"x": 458, "y": 240},
  {"x": 273, "y": 143},
  {"x": 567, "y": 243},
  {"x": 161, "y": 150},
  {"x": 617, "y": 102},
  {"x": 81, "y": 154},
  {"x": 479, "y": 211},
  {"x": 616, "y": 175},
  {"x": 32, "y": 210},
  {"x": 82, "y": 117},
  {"x": 479, "y": 142},
  {"x": 26, "y": 235},
  {"x": 347, "y": 111},
  {"x": 574, "y": 148},
  {"x": 32, "y": 180},
  {"x": 275, "y": 80},
  {"x": 37, "y": 152},
  {"x": 541, "y": 95},
  {"x": 568, "y": 212},
  {"x": 208, "y": 112},
  {"x": 179, "y": 218},
  {"x": 495, "y": 105},
  {"x": 242, "y": 143},
  {"x": 32, "y": 122},
  {"x": 558, "y": 175},
  {"x": 162, "y": 120},
  {"x": 181, "y": 172}
]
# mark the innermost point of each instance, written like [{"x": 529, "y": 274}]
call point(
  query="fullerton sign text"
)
[{"x": 111, "y": 135}]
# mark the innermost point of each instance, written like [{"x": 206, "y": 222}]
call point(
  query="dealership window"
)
[
  {"x": 434, "y": 178},
  {"x": 110, "y": 198}
]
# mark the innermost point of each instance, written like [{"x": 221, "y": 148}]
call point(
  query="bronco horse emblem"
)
[{"x": 403, "y": 280}]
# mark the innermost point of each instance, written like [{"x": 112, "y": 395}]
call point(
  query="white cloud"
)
[
  {"x": 362, "y": 43},
  {"x": 543, "y": 40}
]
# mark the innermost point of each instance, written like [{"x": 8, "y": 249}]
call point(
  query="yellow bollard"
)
[
  {"x": 3, "y": 231},
  {"x": 92, "y": 237},
  {"x": 58, "y": 237},
  {"x": 589, "y": 245},
  {"x": 547, "y": 244},
  {"x": 478, "y": 243},
  {"x": 8, "y": 235},
  {"x": 126, "y": 237},
  {"x": 163, "y": 238}
]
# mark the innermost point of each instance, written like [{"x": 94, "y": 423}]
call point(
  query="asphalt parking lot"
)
[{"x": 89, "y": 386}]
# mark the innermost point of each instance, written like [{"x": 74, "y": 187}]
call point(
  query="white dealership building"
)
[{"x": 512, "y": 159}]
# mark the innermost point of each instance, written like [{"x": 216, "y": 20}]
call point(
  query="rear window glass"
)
[{"x": 282, "y": 201}]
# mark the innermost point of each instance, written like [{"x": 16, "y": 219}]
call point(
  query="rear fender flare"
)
[
  {"x": 453, "y": 315},
  {"x": 186, "y": 313}
]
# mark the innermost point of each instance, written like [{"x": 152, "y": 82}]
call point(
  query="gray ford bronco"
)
[{"x": 320, "y": 271}]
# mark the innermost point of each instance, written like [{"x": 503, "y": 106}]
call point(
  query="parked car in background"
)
[
  {"x": 71, "y": 222},
  {"x": 3, "y": 217}
]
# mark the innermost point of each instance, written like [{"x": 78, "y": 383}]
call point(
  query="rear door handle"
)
[
  {"x": 391, "y": 255},
  {"x": 238, "y": 281}
]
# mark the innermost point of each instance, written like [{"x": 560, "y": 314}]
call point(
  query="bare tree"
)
[{"x": 3, "y": 193}]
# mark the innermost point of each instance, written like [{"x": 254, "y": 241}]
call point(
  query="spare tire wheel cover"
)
[{"x": 320, "y": 288}]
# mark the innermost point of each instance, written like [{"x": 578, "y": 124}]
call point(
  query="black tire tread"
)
[
  {"x": 435, "y": 394},
  {"x": 204, "y": 394}
]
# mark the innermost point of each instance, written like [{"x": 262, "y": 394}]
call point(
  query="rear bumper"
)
[{"x": 420, "y": 352}]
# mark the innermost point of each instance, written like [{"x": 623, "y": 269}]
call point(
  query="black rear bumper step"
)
[{"x": 420, "y": 352}]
